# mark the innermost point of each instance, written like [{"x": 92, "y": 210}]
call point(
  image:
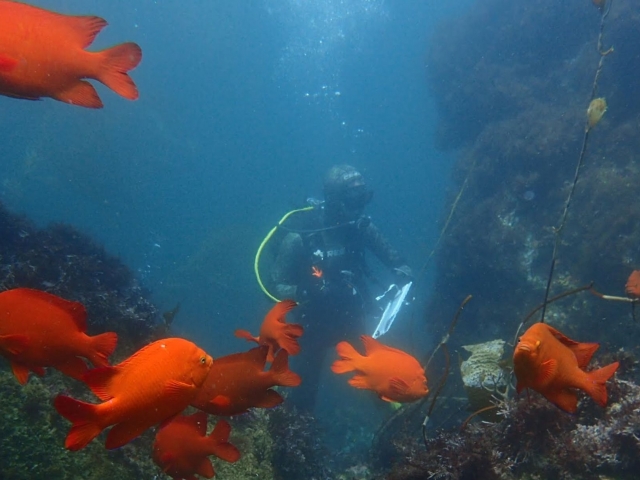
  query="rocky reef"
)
[
  {"x": 65, "y": 262},
  {"x": 534, "y": 440},
  {"x": 512, "y": 82}
]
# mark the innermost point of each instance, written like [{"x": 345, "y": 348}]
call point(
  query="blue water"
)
[{"x": 243, "y": 106}]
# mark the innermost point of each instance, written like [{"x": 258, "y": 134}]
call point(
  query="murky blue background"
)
[{"x": 243, "y": 106}]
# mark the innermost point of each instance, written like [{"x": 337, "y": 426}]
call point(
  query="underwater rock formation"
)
[
  {"x": 513, "y": 98},
  {"x": 62, "y": 261},
  {"x": 534, "y": 439}
]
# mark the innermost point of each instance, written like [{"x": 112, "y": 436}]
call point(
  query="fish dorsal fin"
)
[
  {"x": 548, "y": 370},
  {"x": 584, "y": 352},
  {"x": 371, "y": 345},
  {"x": 74, "y": 309},
  {"x": 86, "y": 28},
  {"x": 279, "y": 311},
  {"x": 78, "y": 29},
  {"x": 561, "y": 337},
  {"x": 99, "y": 380},
  {"x": 256, "y": 356}
]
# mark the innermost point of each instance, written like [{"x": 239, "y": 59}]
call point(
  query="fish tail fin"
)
[
  {"x": 596, "y": 387},
  {"x": 289, "y": 341},
  {"x": 83, "y": 416},
  {"x": 102, "y": 346},
  {"x": 221, "y": 447},
  {"x": 116, "y": 62},
  {"x": 348, "y": 357},
  {"x": 281, "y": 373},
  {"x": 246, "y": 335}
]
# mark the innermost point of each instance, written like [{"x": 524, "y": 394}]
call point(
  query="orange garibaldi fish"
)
[
  {"x": 39, "y": 330},
  {"x": 551, "y": 364},
  {"x": 42, "y": 54},
  {"x": 154, "y": 384},
  {"x": 237, "y": 382},
  {"x": 275, "y": 332},
  {"x": 633, "y": 284},
  {"x": 393, "y": 374},
  {"x": 182, "y": 448}
]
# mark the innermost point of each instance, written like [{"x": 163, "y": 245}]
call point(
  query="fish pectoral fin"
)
[
  {"x": 82, "y": 94},
  {"x": 14, "y": 344},
  {"x": 246, "y": 335},
  {"x": 398, "y": 386},
  {"x": 386, "y": 399},
  {"x": 548, "y": 370},
  {"x": 220, "y": 401},
  {"x": 7, "y": 63},
  {"x": 174, "y": 387}
]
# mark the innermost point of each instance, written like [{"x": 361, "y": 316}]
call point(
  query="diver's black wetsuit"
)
[{"x": 325, "y": 271}]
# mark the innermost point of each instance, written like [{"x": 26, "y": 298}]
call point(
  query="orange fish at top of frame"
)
[
  {"x": 393, "y": 374},
  {"x": 38, "y": 329},
  {"x": 275, "y": 332},
  {"x": 553, "y": 365},
  {"x": 42, "y": 54}
]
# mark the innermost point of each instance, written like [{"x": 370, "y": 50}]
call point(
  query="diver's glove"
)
[{"x": 402, "y": 275}]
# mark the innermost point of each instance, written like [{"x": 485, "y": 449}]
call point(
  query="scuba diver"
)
[{"x": 322, "y": 267}]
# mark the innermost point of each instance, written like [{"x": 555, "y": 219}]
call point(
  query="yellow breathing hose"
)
[{"x": 256, "y": 261}]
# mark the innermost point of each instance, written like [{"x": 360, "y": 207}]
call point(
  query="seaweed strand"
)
[{"x": 563, "y": 218}]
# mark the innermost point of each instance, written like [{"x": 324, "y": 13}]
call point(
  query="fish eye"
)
[{"x": 203, "y": 360}]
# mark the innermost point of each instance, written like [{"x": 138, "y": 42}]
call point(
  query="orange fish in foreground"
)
[
  {"x": 154, "y": 384},
  {"x": 393, "y": 374},
  {"x": 182, "y": 448},
  {"x": 275, "y": 332},
  {"x": 40, "y": 330},
  {"x": 42, "y": 54},
  {"x": 553, "y": 365},
  {"x": 237, "y": 382},
  {"x": 633, "y": 284}
]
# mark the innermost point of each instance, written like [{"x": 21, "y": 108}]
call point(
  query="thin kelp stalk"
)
[
  {"x": 614, "y": 298},
  {"x": 591, "y": 122},
  {"x": 448, "y": 221},
  {"x": 443, "y": 380}
]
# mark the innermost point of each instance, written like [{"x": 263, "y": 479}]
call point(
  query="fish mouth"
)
[{"x": 523, "y": 348}]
